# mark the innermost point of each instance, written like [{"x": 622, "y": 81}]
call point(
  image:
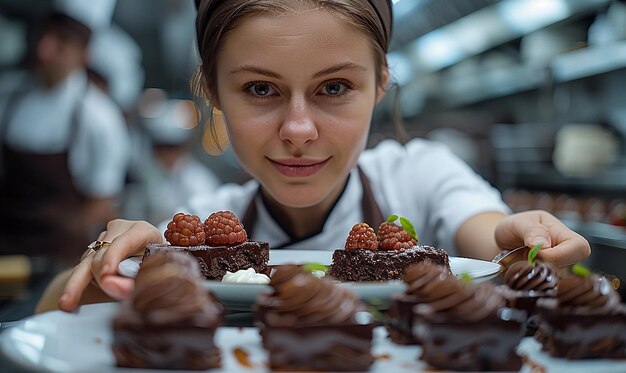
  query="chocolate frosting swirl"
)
[
  {"x": 523, "y": 276},
  {"x": 302, "y": 299},
  {"x": 435, "y": 286},
  {"x": 169, "y": 289},
  {"x": 592, "y": 292}
]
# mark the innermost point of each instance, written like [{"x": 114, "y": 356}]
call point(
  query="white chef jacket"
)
[
  {"x": 421, "y": 180},
  {"x": 41, "y": 124}
]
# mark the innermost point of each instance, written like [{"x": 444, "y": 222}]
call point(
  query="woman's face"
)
[{"x": 297, "y": 93}]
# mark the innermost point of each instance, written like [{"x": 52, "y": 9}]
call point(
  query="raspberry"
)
[
  {"x": 185, "y": 230},
  {"x": 393, "y": 237},
  {"x": 223, "y": 228},
  {"x": 361, "y": 236}
]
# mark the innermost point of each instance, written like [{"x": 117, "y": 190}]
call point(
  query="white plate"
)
[
  {"x": 477, "y": 269},
  {"x": 80, "y": 342},
  {"x": 242, "y": 296},
  {"x": 530, "y": 348}
]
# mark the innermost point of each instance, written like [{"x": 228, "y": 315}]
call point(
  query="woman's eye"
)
[
  {"x": 260, "y": 89},
  {"x": 335, "y": 89}
]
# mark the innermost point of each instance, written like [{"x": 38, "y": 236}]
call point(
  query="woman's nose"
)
[{"x": 298, "y": 126}]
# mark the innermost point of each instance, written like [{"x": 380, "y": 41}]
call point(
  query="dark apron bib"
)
[
  {"x": 372, "y": 214},
  {"x": 40, "y": 208}
]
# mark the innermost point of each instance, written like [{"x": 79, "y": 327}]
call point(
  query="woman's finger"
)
[
  {"x": 569, "y": 251},
  {"x": 79, "y": 279},
  {"x": 126, "y": 238},
  {"x": 561, "y": 245},
  {"x": 523, "y": 229},
  {"x": 133, "y": 244},
  {"x": 567, "y": 247},
  {"x": 117, "y": 287}
]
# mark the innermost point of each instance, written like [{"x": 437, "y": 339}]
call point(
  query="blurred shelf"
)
[
  {"x": 611, "y": 183},
  {"x": 600, "y": 233},
  {"x": 492, "y": 26},
  {"x": 578, "y": 64},
  {"x": 616, "y": 240},
  {"x": 492, "y": 84},
  {"x": 589, "y": 61},
  {"x": 608, "y": 249}
]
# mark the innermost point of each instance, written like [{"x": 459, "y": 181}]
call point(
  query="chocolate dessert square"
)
[
  {"x": 399, "y": 319},
  {"x": 451, "y": 343},
  {"x": 585, "y": 320},
  {"x": 214, "y": 261},
  {"x": 312, "y": 324},
  {"x": 525, "y": 282},
  {"x": 382, "y": 265},
  {"x": 137, "y": 344},
  {"x": 170, "y": 319},
  {"x": 524, "y": 301},
  {"x": 425, "y": 284},
  {"x": 573, "y": 333},
  {"x": 337, "y": 348}
]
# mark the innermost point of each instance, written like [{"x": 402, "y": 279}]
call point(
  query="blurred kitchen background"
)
[{"x": 531, "y": 93}]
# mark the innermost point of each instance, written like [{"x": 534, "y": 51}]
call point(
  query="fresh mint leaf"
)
[
  {"x": 408, "y": 226},
  {"x": 466, "y": 278},
  {"x": 392, "y": 218},
  {"x": 532, "y": 255},
  {"x": 580, "y": 270},
  {"x": 373, "y": 309},
  {"x": 310, "y": 267}
]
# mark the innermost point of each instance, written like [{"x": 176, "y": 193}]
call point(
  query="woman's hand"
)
[
  {"x": 561, "y": 245},
  {"x": 127, "y": 238}
]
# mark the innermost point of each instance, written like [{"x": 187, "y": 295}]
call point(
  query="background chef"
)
[{"x": 64, "y": 143}]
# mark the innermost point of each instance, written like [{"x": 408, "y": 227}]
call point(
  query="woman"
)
[{"x": 296, "y": 83}]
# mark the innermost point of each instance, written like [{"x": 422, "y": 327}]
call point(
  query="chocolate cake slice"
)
[
  {"x": 426, "y": 284},
  {"x": 469, "y": 329},
  {"x": 586, "y": 319},
  {"x": 170, "y": 320},
  {"x": 379, "y": 265},
  {"x": 524, "y": 284},
  {"x": 214, "y": 261},
  {"x": 219, "y": 244},
  {"x": 312, "y": 324}
]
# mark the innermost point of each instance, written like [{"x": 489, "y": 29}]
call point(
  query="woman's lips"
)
[{"x": 298, "y": 167}]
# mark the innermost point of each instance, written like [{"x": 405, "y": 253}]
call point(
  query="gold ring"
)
[
  {"x": 94, "y": 247},
  {"x": 97, "y": 245}
]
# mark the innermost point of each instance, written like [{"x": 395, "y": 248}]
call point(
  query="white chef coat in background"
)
[
  {"x": 422, "y": 180},
  {"x": 40, "y": 124},
  {"x": 160, "y": 191}
]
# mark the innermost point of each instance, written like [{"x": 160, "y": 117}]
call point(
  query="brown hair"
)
[
  {"x": 216, "y": 18},
  {"x": 67, "y": 28}
]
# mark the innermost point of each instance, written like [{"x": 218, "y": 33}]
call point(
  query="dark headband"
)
[{"x": 382, "y": 7}]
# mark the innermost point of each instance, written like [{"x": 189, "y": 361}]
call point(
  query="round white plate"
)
[
  {"x": 80, "y": 342},
  {"x": 242, "y": 296},
  {"x": 531, "y": 349}
]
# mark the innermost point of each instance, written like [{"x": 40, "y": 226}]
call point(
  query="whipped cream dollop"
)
[{"x": 245, "y": 276}]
